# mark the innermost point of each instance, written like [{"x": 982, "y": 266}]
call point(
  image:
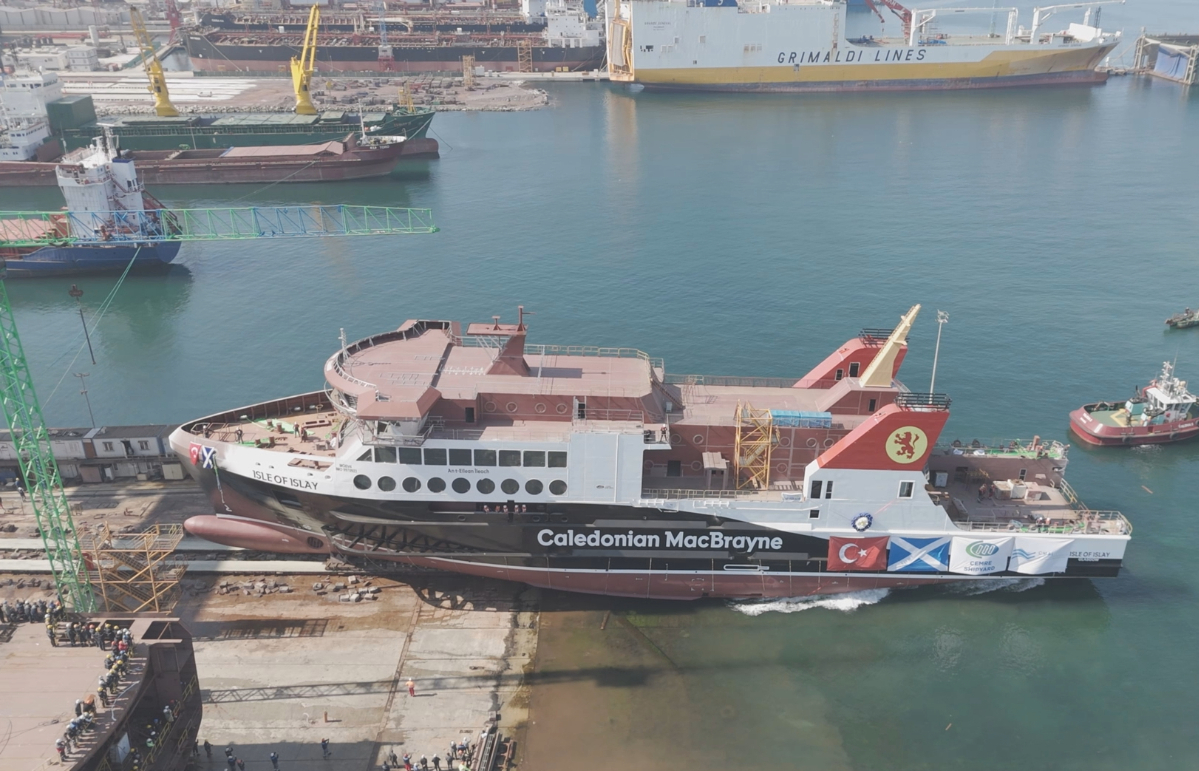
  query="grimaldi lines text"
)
[{"x": 467, "y": 448}]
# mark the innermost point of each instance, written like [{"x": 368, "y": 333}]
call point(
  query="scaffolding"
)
[
  {"x": 468, "y": 72},
  {"x": 134, "y": 572},
  {"x": 755, "y": 440},
  {"x": 524, "y": 56}
]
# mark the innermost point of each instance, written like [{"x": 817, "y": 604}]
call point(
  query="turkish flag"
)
[
  {"x": 857, "y": 554},
  {"x": 193, "y": 452}
]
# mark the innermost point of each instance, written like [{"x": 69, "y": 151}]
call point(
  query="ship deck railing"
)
[
  {"x": 1088, "y": 522},
  {"x": 687, "y": 493},
  {"x": 1001, "y": 448}
]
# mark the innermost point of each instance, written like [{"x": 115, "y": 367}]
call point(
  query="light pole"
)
[
  {"x": 942, "y": 317},
  {"x": 83, "y": 384},
  {"x": 76, "y": 292}
]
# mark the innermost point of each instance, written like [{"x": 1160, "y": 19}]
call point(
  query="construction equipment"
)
[
  {"x": 175, "y": 19},
  {"x": 755, "y": 440},
  {"x": 468, "y": 72},
  {"x": 386, "y": 59},
  {"x": 39, "y": 470},
  {"x": 158, "y": 80},
  {"x": 303, "y": 66},
  {"x": 46, "y": 228},
  {"x": 905, "y": 16}
]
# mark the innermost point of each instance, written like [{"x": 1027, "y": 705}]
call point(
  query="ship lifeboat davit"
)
[{"x": 253, "y": 535}]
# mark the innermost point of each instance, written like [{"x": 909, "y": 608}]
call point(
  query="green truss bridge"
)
[{"x": 46, "y": 228}]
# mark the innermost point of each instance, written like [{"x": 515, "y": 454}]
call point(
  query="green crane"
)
[
  {"x": 18, "y": 400},
  {"x": 39, "y": 470}
]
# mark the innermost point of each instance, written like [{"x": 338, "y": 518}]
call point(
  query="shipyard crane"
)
[
  {"x": 39, "y": 470},
  {"x": 158, "y": 79},
  {"x": 175, "y": 19},
  {"x": 385, "y": 52},
  {"x": 303, "y": 66}
]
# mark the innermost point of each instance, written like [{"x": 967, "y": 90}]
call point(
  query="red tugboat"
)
[{"x": 1164, "y": 411}]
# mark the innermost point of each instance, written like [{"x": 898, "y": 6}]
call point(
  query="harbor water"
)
[{"x": 750, "y": 235}]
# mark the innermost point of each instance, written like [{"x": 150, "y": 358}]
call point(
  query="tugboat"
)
[
  {"x": 1188, "y": 318},
  {"x": 1164, "y": 411}
]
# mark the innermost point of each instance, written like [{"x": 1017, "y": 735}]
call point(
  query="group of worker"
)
[
  {"x": 462, "y": 752},
  {"x": 84, "y": 720},
  {"x": 30, "y": 611}
]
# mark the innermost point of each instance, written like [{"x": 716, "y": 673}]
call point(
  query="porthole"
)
[
  {"x": 536, "y": 518},
  {"x": 436, "y": 485},
  {"x": 784, "y": 441},
  {"x": 675, "y": 439},
  {"x": 315, "y": 543},
  {"x": 488, "y": 406},
  {"x": 539, "y": 408},
  {"x": 387, "y": 484},
  {"x": 411, "y": 484},
  {"x": 647, "y": 465},
  {"x": 485, "y": 486},
  {"x": 828, "y": 442},
  {"x": 812, "y": 441},
  {"x": 557, "y": 487},
  {"x": 696, "y": 465},
  {"x": 362, "y": 482},
  {"x": 534, "y": 487},
  {"x": 561, "y": 409},
  {"x": 510, "y": 406},
  {"x": 461, "y": 485},
  {"x": 781, "y": 467},
  {"x": 510, "y": 486},
  {"x": 698, "y": 438}
]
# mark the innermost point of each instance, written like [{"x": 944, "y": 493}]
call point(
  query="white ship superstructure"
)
[
  {"x": 806, "y": 45},
  {"x": 592, "y": 470}
]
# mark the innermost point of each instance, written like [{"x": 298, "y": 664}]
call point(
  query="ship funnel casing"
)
[{"x": 896, "y": 438}]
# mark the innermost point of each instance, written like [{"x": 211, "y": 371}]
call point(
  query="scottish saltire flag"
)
[
  {"x": 1035, "y": 556},
  {"x": 918, "y": 555},
  {"x": 207, "y": 457}
]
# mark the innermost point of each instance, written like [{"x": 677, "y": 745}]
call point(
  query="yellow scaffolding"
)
[
  {"x": 524, "y": 56},
  {"x": 756, "y": 438},
  {"x": 468, "y": 72},
  {"x": 134, "y": 572}
]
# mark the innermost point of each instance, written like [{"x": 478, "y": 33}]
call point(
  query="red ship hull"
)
[{"x": 1101, "y": 434}]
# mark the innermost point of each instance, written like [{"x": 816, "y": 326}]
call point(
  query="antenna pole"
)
[{"x": 942, "y": 317}]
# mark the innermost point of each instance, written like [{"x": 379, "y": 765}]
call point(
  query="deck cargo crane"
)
[
  {"x": 158, "y": 79},
  {"x": 303, "y": 66},
  {"x": 386, "y": 58},
  {"x": 905, "y": 15}
]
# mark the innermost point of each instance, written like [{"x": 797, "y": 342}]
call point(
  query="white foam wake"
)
[
  {"x": 986, "y": 585},
  {"x": 844, "y": 602}
]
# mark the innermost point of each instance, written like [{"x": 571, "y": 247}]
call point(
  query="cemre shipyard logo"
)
[
  {"x": 981, "y": 549},
  {"x": 906, "y": 445}
]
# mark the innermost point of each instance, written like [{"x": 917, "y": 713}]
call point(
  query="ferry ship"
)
[
  {"x": 591, "y": 470},
  {"x": 807, "y": 46}
]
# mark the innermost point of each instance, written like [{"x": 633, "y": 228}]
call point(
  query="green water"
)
[{"x": 748, "y": 235}]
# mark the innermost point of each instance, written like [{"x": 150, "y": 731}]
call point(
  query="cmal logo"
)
[{"x": 981, "y": 549}]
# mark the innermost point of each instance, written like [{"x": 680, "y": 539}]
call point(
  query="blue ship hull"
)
[{"x": 68, "y": 260}]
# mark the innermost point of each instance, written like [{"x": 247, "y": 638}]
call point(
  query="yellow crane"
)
[
  {"x": 303, "y": 66},
  {"x": 158, "y": 80}
]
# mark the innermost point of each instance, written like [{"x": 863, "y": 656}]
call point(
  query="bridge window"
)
[
  {"x": 362, "y": 482},
  {"x": 840, "y": 374},
  {"x": 509, "y": 457},
  {"x": 485, "y": 486},
  {"x": 365, "y": 456},
  {"x": 461, "y": 485},
  {"x": 853, "y": 368},
  {"x": 828, "y": 489},
  {"x": 385, "y": 455},
  {"x": 484, "y": 457},
  {"x": 434, "y": 457},
  {"x": 906, "y": 488},
  {"x": 460, "y": 457},
  {"x": 557, "y": 460},
  {"x": 533, "y": 487},
  {"x": 534, "y": 459},
  {"x": 411, "y": 485},
  {"x": 558, "y": 487},
  {"x": 387, "y": 484},
  {"x": 817, "y": 488},
  {"x": 510, "y": 486},
  {"x": 813, "y": 513},
  {"x": 410, "y": 456},
  {"x": 436, "y": 485}
]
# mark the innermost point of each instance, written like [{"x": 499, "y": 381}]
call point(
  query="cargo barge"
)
[
  {"x": 347, "y": 159},
  {"x": 804, "y": 46},
  {"x": 556, "y": 35},
  {"x": 466, "y": 448}
]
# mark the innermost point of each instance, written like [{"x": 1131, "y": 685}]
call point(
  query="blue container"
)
[{"x": 801, "y": 419}]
